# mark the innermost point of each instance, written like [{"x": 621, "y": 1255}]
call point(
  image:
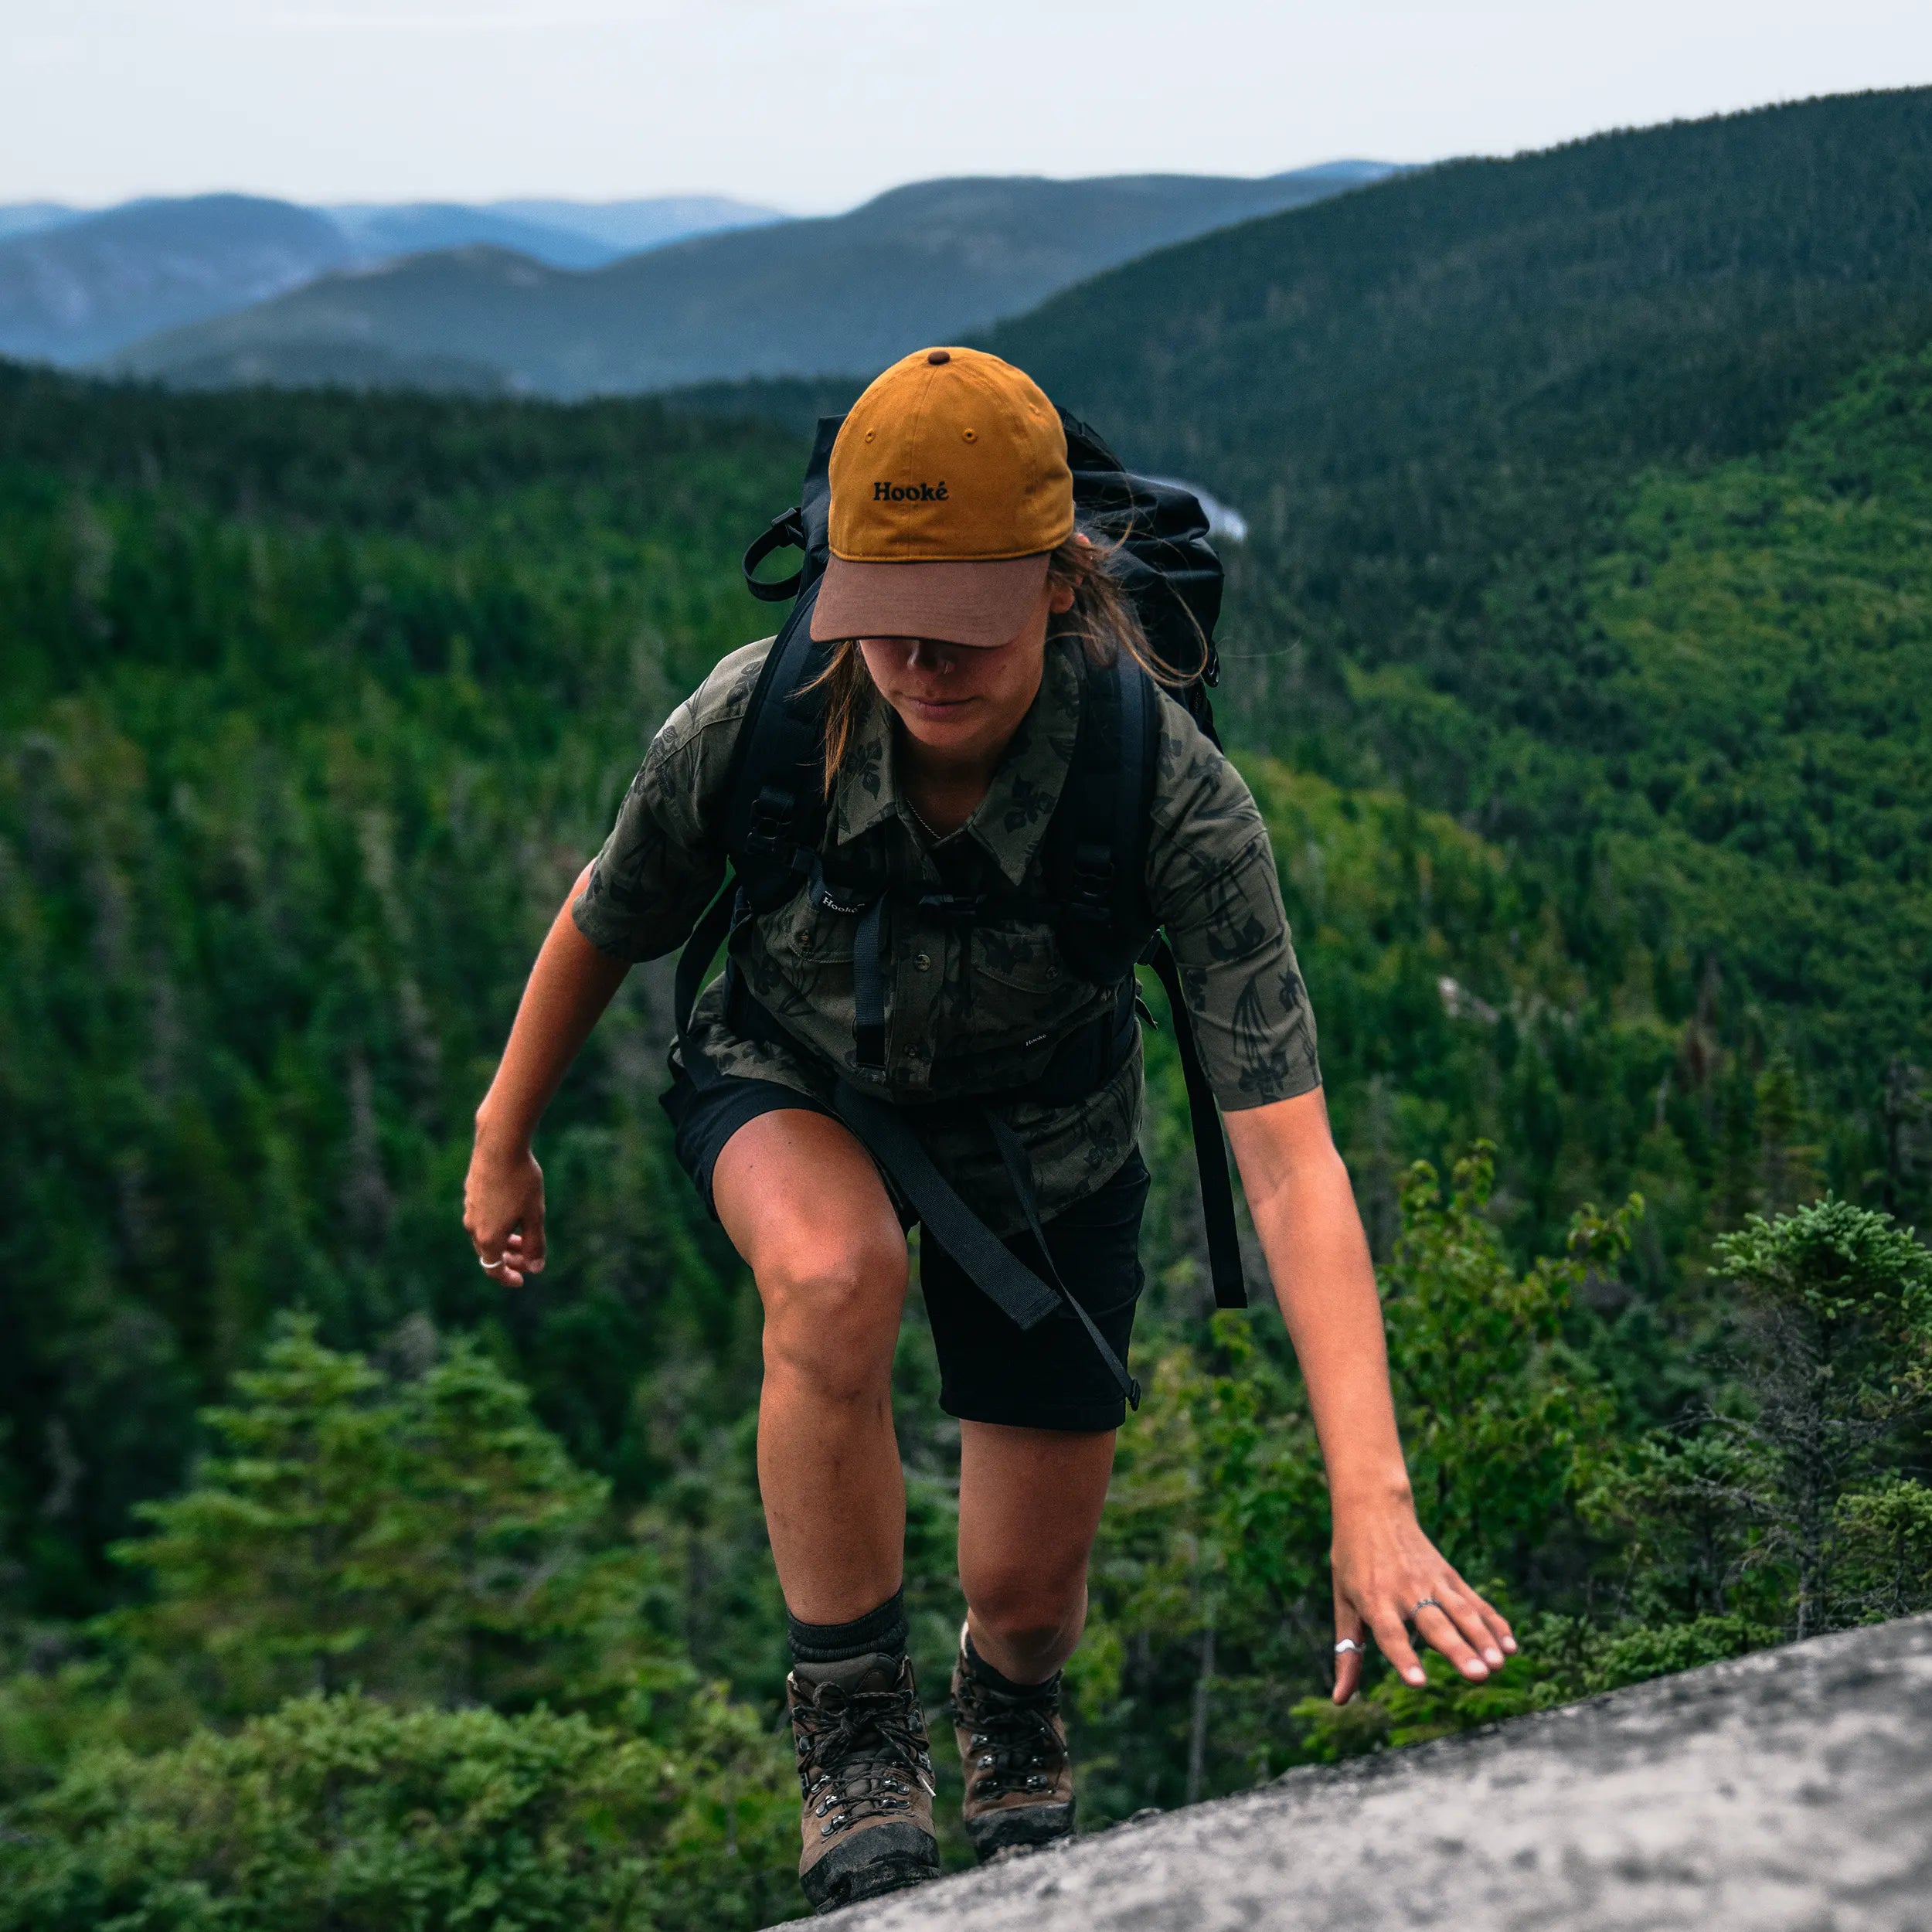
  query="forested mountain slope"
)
[
  {"x": 1768, "y": 627},
  {"x": 315, "y": 705},
  {"x": 1688, "y": 289},
  {"x": 311, "y": 711},
  {"x": 1478, "y": 420}
]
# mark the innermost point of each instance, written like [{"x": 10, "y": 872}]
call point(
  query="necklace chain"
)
[{"x": 932, "y": 831}]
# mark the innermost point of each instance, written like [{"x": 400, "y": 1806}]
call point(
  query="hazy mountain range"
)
[
  {"x": 26, "y": 217},
  {"x": 79, "y": 289},
  {"x": 930, "y": 261},
  {"x": 565, "y": 234},
  {"x": 76, "y": 285}
]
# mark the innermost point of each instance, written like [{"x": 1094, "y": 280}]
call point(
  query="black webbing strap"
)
[
  {"x": 786, "y": 532},
  {"x": 1019, "y": 1171},
  {"x": 1217, "y": 1187},
  {"x": 1132, "y": 788},
  {"x": 712, "y": 929},
  {"x": 868, "y": 987},
  {"x": 995, "y": 1269}
]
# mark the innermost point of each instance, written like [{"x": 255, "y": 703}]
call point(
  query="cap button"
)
[{"x": 939, "y": 355}]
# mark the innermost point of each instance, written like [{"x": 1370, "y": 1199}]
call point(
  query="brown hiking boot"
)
[
  {"x": 1012, "y": 1748},
  {"x": 866, "y": 1774}
]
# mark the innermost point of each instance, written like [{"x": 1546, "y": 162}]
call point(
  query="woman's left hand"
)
[{"x": 1387, "y": 1575}]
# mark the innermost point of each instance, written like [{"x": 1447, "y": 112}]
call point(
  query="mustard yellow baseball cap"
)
[{"x": 950, "y": 486}]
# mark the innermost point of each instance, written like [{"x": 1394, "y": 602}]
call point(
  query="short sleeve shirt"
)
[{"x": 970, "y": 1008}]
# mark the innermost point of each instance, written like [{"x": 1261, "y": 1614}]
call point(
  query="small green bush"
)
[{"x": 344, "y": 1813}]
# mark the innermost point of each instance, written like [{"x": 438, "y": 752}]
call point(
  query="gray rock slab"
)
[{"x": 1789, "y": 1789}]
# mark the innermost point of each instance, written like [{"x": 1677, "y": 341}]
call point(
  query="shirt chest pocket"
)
[
  {"x": 808, "y": 937},
  {"x": 1026, "y": 959}
]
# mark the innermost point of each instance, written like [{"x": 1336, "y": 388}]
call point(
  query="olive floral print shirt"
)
[{"x": 970, "y": 1010}]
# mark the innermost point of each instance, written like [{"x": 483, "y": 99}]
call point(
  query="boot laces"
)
[
  {"x": 1014, "y": 1742},
  {"x": 860, "y": 1753}
]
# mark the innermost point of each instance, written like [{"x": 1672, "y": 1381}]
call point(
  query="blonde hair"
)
[{"x": 1102, "y": 618}]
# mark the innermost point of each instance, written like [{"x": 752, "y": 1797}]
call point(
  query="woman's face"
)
[{"x": 963, "y": 702}]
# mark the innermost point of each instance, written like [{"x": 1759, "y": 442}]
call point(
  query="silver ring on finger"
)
[
  {"x": 486, "y": 1266},
  {"x": 1348, "y": 1648},
  {"x": 1426, "y": 1602}
]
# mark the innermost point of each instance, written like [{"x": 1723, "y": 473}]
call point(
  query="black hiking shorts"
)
[{"x": 1050, "y": 1376}]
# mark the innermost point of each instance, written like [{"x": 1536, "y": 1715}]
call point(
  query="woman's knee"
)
[
  {"x": 832, "y": 1309},
  {"x": 1028, "y": 1605}
]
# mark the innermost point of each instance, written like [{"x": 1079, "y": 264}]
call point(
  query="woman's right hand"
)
[
  {"x": 570, "y": 986},
  {"x": 503, "y": 1210}
]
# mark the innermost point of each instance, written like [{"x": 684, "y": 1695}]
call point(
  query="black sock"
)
[
  {"x": 882, "y": 1630},
  {"x": 1000, "y": 1682}
]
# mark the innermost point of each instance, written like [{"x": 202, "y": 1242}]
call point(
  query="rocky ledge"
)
[{"x": 1791, "y": 1791}]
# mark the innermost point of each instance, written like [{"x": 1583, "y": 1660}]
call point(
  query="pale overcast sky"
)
[{"x": 813, "y": 104}]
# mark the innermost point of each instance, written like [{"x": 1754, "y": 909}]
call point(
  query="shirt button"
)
[{"x": 922, "y": 962}]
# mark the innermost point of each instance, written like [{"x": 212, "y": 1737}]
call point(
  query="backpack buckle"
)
[{"x": 770, "y": 818}]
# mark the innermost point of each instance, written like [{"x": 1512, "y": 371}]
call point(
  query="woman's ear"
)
[{"x": 1060, "y": 595}]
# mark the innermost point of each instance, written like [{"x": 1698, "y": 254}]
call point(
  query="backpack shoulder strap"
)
[
  {"x": 775, "y": 811},
  {"x": 774, "y": 789},
  {"x": 1096, "y": 841},
  {"x": 1098, "y": 862}
]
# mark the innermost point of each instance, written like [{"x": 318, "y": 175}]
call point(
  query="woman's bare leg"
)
[
  {"x": 1029, "y": 1503},
  {"x": 804, "y": 1204}
]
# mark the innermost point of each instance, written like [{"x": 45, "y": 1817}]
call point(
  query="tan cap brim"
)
[{"x": 981, "y": 602}]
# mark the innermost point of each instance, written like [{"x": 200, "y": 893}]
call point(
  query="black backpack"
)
[{"x": 1095, "y": 850}]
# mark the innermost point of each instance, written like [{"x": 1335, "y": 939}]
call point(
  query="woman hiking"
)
[{"x": 867, "y": 1043}]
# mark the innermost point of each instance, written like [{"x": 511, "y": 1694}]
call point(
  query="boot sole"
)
[
  {"x": 888, "y": 1858},
  {"x": 1020, "y": 1828}
]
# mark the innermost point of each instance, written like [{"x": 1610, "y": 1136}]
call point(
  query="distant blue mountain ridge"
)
[
  {"x": 565, "y": 297},
  {"x": 75, "y": 289},
  {"x": 929, "y": 262},
  {"x": 562, "y": 234},
  {"x": 29, "y": 217},
  {"x": 77, "y": 284}
]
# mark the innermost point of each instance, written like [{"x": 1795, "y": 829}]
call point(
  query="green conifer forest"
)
[{"x": 338, "y": 1588}]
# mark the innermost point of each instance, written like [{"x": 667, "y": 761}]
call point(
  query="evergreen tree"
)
[
  {"x": 256, "y": 1581},
  {"x": 1838, "y": 1331},
  {"x": 1882, "y": 1543},
  {"x": 424, "y": 1539},
  {"x": 1788, "y": 1165}
]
